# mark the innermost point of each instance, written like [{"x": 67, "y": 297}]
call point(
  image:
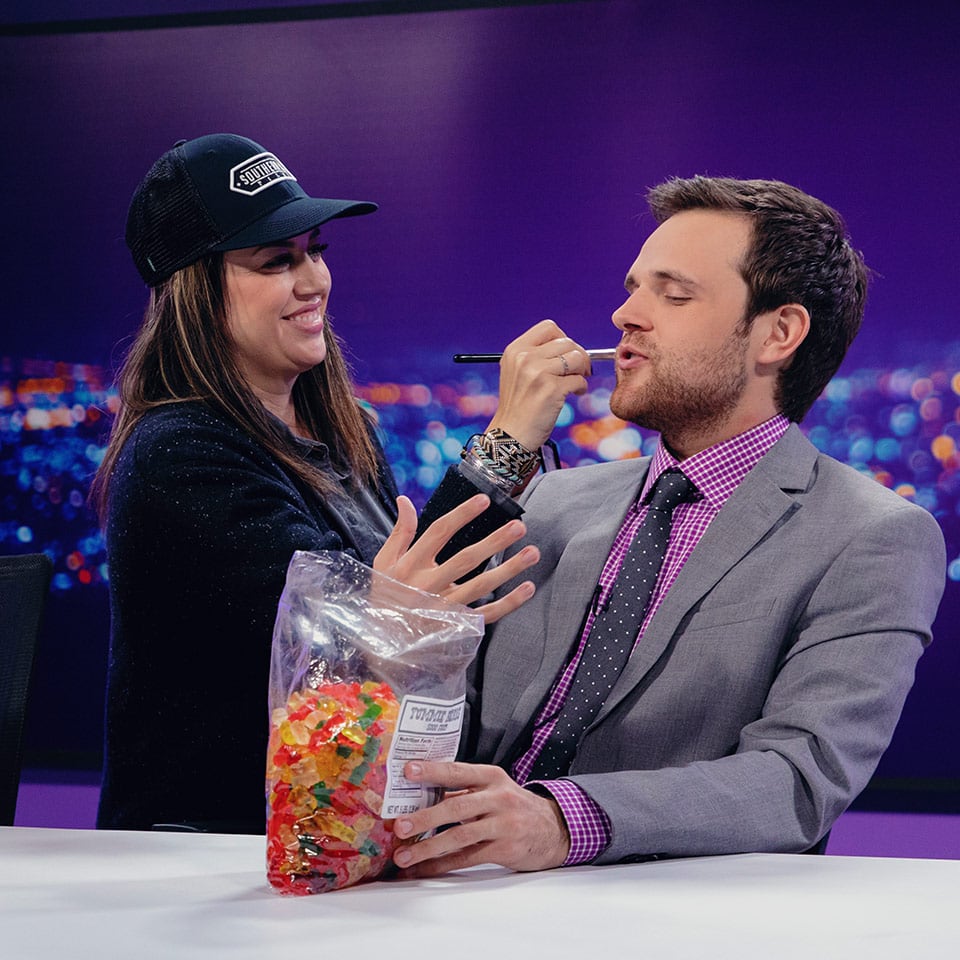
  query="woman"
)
[{"x": 238, "y": 442}]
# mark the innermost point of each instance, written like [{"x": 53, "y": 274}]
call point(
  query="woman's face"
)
[{"x": 276, "y": 300}]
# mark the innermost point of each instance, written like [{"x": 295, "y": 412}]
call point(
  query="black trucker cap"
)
[{"x": 219, "y": 192}]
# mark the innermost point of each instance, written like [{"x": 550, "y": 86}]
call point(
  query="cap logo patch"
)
[{"x": 258, "y": 173}]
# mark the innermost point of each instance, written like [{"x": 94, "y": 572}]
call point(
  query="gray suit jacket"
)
[{"x": 769, "y": 682}]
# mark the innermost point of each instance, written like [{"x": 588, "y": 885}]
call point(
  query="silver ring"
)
[{"x": 566, "y": 366}]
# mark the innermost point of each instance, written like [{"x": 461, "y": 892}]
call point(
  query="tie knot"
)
[{"x": 671, "y": 489}]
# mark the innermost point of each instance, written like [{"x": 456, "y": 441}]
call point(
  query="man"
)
[{"x": 771, "y": 661}]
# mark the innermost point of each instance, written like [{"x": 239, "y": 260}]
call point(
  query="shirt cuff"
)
[{"x": 587, "y": 823}]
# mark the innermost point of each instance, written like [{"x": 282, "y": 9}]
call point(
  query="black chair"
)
[{"x": 24, "y": 582}]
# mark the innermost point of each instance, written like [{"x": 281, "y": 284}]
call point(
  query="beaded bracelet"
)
[{"x": 505, "y": 461}]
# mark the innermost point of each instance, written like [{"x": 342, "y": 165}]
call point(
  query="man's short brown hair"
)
[{"x": 799, "y": 253}]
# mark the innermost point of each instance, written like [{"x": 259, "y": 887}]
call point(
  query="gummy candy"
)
[{"x": 326, "y": 776}]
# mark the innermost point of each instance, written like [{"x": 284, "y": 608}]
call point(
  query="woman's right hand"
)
[
  {"x": 538, "y": 371},
  {"x": 415, "y": 563}
]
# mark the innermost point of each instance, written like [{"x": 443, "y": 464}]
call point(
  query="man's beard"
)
[{"x": 685, "y": 397}]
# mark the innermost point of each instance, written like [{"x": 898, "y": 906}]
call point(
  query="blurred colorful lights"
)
[{"x": 901, "y": 426}]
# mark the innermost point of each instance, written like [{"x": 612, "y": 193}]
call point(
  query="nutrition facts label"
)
[{"x": 426, "y": 730}]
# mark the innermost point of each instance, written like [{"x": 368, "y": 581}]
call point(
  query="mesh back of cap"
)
[{"x": 168, "y": 226}]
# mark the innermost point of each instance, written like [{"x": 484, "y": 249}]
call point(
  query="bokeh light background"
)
[{"x": 899, "y": 425}]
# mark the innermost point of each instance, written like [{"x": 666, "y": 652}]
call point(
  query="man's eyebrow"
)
[
  {"x": 631, "y": 283},
  {"x": 676, "y": 277}
]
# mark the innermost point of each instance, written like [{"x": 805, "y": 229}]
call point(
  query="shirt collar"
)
[
  {"x": 314, "y": 450},
  {"x": 717, "y": 471}
]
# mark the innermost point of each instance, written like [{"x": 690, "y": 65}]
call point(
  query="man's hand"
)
[
  {"x": 537, "y": 372},
  {"x": 494, "y": 821}
]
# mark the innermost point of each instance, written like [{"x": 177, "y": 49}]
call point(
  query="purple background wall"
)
[{"x": 509, "y": 149}]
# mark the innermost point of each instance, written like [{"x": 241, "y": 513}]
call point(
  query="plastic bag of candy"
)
[{"x": 365, "y": 674}]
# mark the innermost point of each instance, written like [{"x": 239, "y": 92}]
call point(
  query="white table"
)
[{"x": 95, "y": 894}]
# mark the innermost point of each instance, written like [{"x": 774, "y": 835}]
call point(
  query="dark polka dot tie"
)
[{"x": 615, "y": 627}]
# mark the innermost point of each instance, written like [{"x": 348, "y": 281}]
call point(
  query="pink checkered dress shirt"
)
[{"x": 715, "y": 472}]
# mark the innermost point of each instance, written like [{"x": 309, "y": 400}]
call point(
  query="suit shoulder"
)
[
  {"x": 589, "y": 477},
  {"x": 819, "y": 480},
  {"x": 862, "y": 488},
  {"x": 865, "y": 507}
]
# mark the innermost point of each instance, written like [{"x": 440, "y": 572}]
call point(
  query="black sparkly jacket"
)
[{"x": 201, "y": 527}]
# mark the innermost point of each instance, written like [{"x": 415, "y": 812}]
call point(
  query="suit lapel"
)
[
  {"x": 575, "y": 579},
  {"x": 763, "y": 500}
]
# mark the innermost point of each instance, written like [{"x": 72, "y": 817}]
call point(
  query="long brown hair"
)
[{"x": 183, "y": 352}]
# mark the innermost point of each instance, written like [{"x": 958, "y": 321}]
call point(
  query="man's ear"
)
[{"x": 782, "y": 331}]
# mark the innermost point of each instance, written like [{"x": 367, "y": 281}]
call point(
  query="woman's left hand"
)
[{"x": 415, "y": 564}]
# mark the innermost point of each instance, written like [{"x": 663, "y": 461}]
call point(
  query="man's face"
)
[{"x": 682, "y": 363}]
